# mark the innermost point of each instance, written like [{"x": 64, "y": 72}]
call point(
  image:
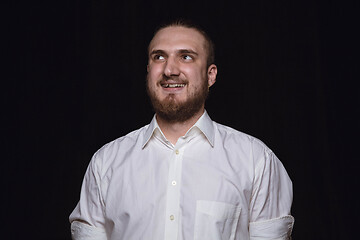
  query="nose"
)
[{"x": 171, "y": 68}]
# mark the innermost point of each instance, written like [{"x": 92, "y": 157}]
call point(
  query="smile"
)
[{"x": 173, "y": 85}]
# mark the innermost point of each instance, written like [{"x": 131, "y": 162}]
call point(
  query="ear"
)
[{"x": 212, "y": 72}]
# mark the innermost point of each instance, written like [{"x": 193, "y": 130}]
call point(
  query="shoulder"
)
[
  {"x": 127, "y": 140},
  {"x": 231, "y": 135},
  {"x": 243, "y": 144},
  {"x": 119, "y": 148}
]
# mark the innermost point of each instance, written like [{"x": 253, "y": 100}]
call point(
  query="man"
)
[{"x": 183, "y": 176}]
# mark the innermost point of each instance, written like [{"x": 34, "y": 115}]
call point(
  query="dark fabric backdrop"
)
[{"x": 74, "y": 77}]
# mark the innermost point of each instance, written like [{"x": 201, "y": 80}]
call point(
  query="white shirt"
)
[{"x": 216, "y": 183}]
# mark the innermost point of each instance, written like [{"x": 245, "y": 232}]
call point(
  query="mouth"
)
[{"x": 173, "y": 85}]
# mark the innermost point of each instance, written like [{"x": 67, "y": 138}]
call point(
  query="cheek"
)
[
  {"x": 155, "y": 70},
  {"x": 151, "y": 85},
  {"x": 152, "y": 79},
  {"x": 195, "y": 72}
]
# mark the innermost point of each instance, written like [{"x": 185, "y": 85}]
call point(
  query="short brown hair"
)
[{"x": 209, "y": 45}]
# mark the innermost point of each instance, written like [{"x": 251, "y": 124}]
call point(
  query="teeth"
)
[{"x": 173, "y": 85}]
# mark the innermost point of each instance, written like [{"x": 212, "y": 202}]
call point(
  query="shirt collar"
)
[{"x": 204, "y": 124}]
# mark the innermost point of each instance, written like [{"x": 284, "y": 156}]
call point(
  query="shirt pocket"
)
[{"x": 215, "y": 220}]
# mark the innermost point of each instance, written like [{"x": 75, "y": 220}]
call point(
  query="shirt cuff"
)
[
  {"x": 83, "y": 231},
  {"x": 275, "y": 229}
]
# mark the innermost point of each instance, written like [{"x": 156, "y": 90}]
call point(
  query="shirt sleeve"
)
[
  {"x": 87, "y": 219},
  {"x": 271, "y": 199},
  {"x": 83, "y": 231}
]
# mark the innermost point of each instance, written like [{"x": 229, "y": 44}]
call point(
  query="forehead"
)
[{"x": 172, "y": 38}]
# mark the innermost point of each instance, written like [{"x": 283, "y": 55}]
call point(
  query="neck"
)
[{"x": 174, "y": 130}]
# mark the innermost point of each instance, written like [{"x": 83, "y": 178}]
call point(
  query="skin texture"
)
[{"x": 178, "y": 79}]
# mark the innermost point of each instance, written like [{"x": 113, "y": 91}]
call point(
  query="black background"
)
[{"x": 74, "y": 77}]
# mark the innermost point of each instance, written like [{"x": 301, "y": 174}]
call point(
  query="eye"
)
[
  {"x": 187, "y": 57},
  {"x": 158, "y": 57}
]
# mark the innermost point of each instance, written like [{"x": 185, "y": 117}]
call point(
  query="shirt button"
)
[
  {"x": 173, "y": 183},
  {"x": 177, "y": 152},
  {"x": 172, "y": 217}
]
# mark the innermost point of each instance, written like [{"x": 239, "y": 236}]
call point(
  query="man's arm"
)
[
  {"x": 87, "y": 219},
  {"x": 271, "y": 200}
]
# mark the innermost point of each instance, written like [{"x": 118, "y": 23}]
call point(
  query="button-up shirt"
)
[{"x": 215, "y": 183}]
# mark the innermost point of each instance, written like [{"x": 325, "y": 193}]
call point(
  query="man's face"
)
[{"x": 178, "y": 78}]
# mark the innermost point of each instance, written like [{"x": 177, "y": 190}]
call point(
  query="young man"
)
[{"x": 183, "y": 176}]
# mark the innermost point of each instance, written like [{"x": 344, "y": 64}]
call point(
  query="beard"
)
[{"x": 172, "y": 110}]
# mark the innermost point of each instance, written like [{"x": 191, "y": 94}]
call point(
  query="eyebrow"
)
[
  {"x": 180, "y": 51},
  {"x": 189, "y": 51},
  {"x": 156, "y": 52}
]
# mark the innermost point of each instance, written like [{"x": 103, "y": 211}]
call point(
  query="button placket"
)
[{"x": 173, "y": 195}]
